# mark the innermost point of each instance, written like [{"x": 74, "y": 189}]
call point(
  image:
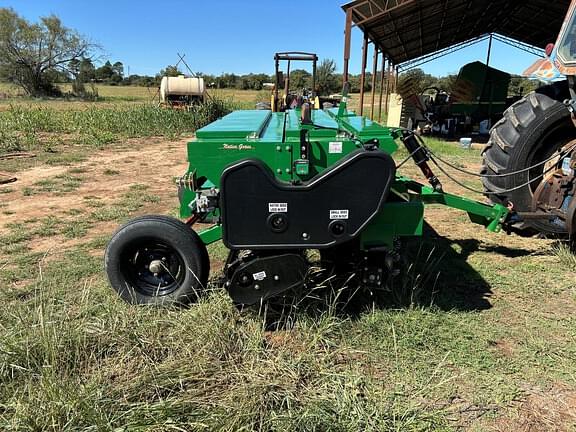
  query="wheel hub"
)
[
  {"x": 555, "y": 195},
  {"x": 156, "y": 266}
]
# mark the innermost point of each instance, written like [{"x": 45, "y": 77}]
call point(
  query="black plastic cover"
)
[{"x": 261, "y": 212}]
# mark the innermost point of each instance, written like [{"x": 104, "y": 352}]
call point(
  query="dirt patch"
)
[
  {"x": 284, "y": 340},
  {"x": 542, "y": 410},
  {"x": 504, "y": 347},
  {"x": 58, "y": 244},
  {"x": 107, "y": 175}
]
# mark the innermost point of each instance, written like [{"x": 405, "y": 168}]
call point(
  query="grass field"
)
[
  {"x": 114, "y": 95},
  {"x": 484, "y": 337},
  {"x": 108, "y": 93}
]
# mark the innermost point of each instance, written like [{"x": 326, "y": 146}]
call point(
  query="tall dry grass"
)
[{"x": 30, "y": 128}]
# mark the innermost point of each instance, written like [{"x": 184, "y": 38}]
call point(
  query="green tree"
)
[
  {"x": 446, "y": 83},
  {"x": 414, "y": 82},
  {"x": 227, "y": 80},
  {"x": 209, "y": 80},
  {"x": 520, "y": 86},
  {"x": 87, "y": 69},
  {"x": 171, "y": 71},
  {"x": 257, "y": 80},
  {"x": 243, "y": 83},
  {"x": 300, "y": 78},
  {"x": 30, "y": 54},
  {"x": 104, "y": 72},
  {"x": 325, "y": 79},
  {"x": 354, "y": 81},
  {"x": 118, "y": 69},
  {"x": 83, "y": 71}
]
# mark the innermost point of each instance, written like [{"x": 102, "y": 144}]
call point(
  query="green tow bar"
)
[
  {"x": 211, "y": 234},
  {"x": 491, "y": 216}
]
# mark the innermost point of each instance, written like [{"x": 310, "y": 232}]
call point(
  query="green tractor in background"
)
[{"x": 275, "y": 184}]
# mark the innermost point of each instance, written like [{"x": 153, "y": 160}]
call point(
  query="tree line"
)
[{"x": 38, "y": 56}]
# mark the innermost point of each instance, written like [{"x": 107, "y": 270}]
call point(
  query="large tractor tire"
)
[
  {"x": 531, "y": 131},
  {"x": 157, "y": 260}
]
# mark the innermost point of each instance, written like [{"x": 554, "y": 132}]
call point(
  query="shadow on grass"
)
[{"x": 436, "y": 275}]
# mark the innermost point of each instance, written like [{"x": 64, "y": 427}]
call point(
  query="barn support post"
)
[
  {"x": 388, "y": 84},
  {"x": 488, "y": 81},
  {"x": 363, "y": 73},
  {"x": 373, "y": 83},
  {"x": 382, "y": 73}
]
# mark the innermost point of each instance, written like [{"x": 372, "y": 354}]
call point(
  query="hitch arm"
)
[{"x": 491, "y": 216}]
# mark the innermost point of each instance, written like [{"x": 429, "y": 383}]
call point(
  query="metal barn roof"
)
[{"x": 407, "y": 30}]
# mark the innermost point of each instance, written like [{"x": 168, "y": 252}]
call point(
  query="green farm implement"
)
[{"x": 273, "y": 185}]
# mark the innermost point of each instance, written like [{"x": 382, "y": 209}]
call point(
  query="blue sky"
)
[{"x": 228, "y": 35}]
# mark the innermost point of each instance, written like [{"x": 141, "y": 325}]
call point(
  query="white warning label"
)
[
  {"x": 278, "y": 207},
  {"x": 338, "y": 214},
  {"x": 335, "y": 147},
  {"x": 260, "y": 276}
]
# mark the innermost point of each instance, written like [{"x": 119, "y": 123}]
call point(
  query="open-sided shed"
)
[{"x": 407, "y": 33}]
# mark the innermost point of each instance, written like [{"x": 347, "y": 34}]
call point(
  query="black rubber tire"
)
[
  {"x": 531, "y": 130},
  {"x": 185, "y": 245}
]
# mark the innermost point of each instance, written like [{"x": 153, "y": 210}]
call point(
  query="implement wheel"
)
[
  {"x": 531, "y": 131},
  {"x": 157, "y": 260}
]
